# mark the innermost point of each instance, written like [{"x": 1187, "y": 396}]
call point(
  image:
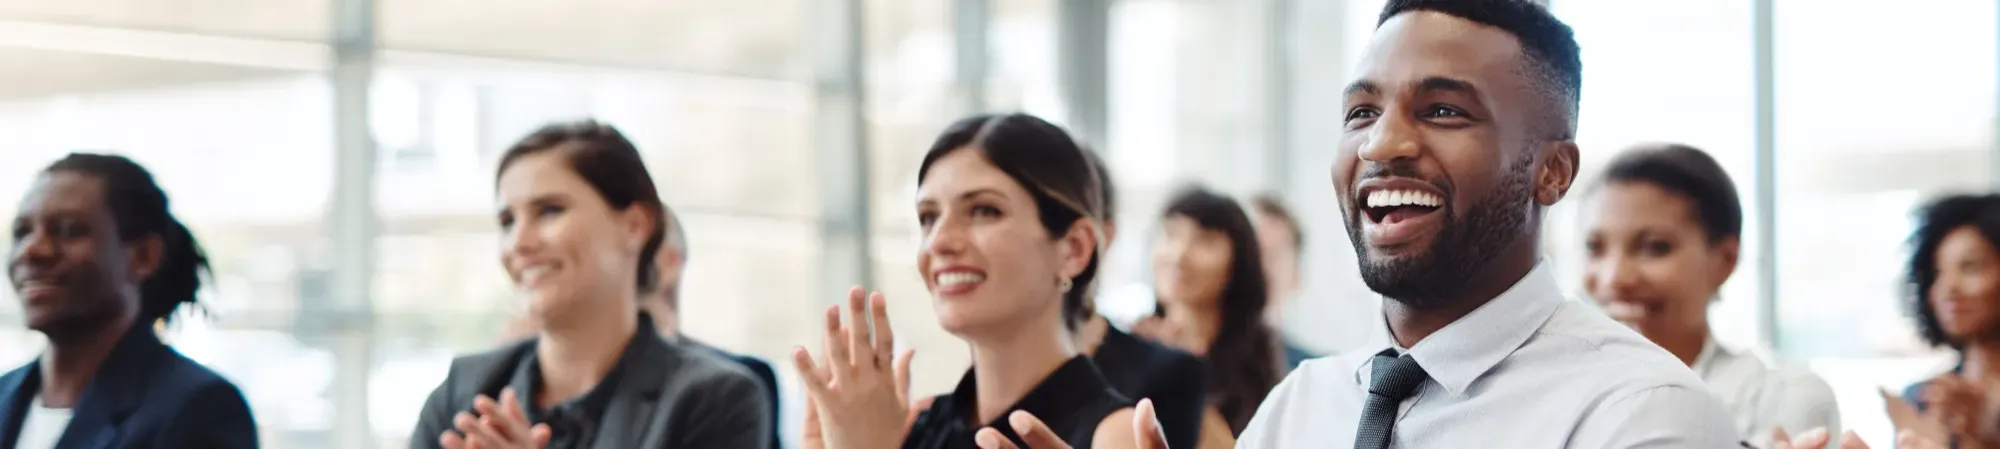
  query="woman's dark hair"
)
[
  {"x": 1934, "y": 222},
  {"x": 1050, "y": 166},
  {"x": 1688, "y": 172},
  {"x": 140, "y": 209},
  {"x": 1245, "y": 355},
  {"x": 612, "y": 166}
]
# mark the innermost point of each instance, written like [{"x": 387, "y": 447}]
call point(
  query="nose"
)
[
  {"x": 522, "y": 238},
  {"x": 1393, "y": 136},
  {"x": 33, "y": 249},
  {"x": 1614, "y": 276},
  {"x": 947, "y": 237}
]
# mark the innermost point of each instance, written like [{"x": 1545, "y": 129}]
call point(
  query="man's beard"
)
[{"x": 1462, "y": 247}]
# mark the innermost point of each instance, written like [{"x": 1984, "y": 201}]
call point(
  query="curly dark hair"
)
[{"x": 1934, "y": 222}]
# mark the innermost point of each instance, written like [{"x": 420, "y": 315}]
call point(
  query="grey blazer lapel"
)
[{"x": 628, "y": 420}]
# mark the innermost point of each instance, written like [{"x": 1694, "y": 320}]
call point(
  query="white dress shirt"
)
[
  {"x": 1528, "y": 369},
  {"x": 1761, "y": 397},
  {"x": 43, "y": 426}
]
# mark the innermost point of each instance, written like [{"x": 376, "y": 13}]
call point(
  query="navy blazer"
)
[
  {"x": 758, "y": 368},
  {"x": 145, "y": 395}
]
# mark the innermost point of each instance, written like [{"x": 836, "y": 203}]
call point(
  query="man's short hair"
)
[
  {"x": 1551, "y": 56},
  {"x": 1270, "y": 207}
]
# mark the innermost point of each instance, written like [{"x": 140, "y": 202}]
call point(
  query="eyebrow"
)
[
  {"x": 1426, "y": 85},
  {"x": 967, "y": 195},
  {"x": 1362, "y": 86}
]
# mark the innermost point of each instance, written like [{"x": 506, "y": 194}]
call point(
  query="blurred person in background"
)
[
  {"x": 1210, "y": 278},
  {"x": 1005, "y": 207},
  {"x": 663, "y": 305},
  {"x": 1954, "y": 289},
  {"x": 97, "y": 259},
  {"x": 1174, "y": 380},
  {"x": 1282, "y": 242},
  {"x": 581, "y": 223},
  {"x": 1664, "y": 231}
]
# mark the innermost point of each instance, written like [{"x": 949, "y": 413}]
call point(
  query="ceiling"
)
[
  {"x": 35, "y": 73},
  {"x": 759, "y": 38}
]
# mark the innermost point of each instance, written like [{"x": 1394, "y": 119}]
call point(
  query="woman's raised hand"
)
[{"x": 857, "y": 395}]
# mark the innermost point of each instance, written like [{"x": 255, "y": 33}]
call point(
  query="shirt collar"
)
[
  {"x": 1469, "y": 347},
  {"x": 1710, "y": 350}
]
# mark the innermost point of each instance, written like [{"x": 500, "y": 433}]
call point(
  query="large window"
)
[{"x": 1852, "y": 164}]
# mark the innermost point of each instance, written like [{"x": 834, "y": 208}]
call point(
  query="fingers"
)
[
  {"x": 1146, "y": 426},
  {"x": 857, "y": 331},
  {"x": 1908, "y": 439},
  {"x": 1812, "y": 439},
  {"x": 1779, "y": 436},
  {"x": 811, "y": 421},
  {"x": 472, "y": 429},
  {"x": 540, "y": 435},
  {"x": 1850, "y": 440},
  {"x": 451, "y": 440},
  {"x": 885, "y": 338},
  {"x": 1033, "y": 432},
  {"x": 511, "y": 409},
  {"x": 816, "y": 378},
  {"x": 494, "y": 421},
  {"x": 839, "y": 362},
  {"x": 988, "y": 438},
  {"x": 903, "y": 374}
]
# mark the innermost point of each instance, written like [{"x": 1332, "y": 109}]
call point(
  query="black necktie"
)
[{"x": 1395, "y": 379}]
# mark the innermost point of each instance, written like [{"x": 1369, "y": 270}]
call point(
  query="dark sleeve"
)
[
  {"x": 216, "y": 417},
  {"x": 727, "y": 411},
  {"x": 1179, "y": 392},
  {"x": 770, "y": 380},
  {"x": 434, "y": 418}
]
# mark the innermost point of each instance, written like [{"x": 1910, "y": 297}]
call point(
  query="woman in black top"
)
[
  {"x": 1176, "y": 381},
  {"x": 580, "y": 222},
  {"x": 97, "y": 259},
  {"x": 1005, "y": 205},
  {"x": 1209, "y": 275}
]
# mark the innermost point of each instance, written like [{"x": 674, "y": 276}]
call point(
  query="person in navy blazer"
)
[{"x": 97, "y": 260}]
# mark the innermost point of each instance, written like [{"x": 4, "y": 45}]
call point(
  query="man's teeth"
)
[
  {"x": 1393, "y": 198},
  {"x": 952, "y": 279}
]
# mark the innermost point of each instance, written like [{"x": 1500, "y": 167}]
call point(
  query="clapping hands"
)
[
  {"x": 1144, "y": 432},
  {"x": 858, "y": 396},
  {"x": 498, "y": 425}
]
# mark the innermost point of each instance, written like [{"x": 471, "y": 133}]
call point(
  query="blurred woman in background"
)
[
  {"x": 1005, "y": 206},
  {"x": 1209, "y": 275},
  {"x": 97, "y": 259},
  {"x": 581, "y": 223},
  {"x": 1954, "y": 290},
  {"x": 1176, "y": 381},
  {"x": 1663, "y": 234}
]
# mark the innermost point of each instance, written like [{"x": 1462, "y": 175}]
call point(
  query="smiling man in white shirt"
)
[{"x": 1458, "y": 133}]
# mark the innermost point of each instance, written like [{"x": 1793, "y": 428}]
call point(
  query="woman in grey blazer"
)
[{"x": 580, "y": 222}]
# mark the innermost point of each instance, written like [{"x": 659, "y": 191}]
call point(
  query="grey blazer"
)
[{"x": 670, "y": 397}]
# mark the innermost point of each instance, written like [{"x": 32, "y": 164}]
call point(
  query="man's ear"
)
[{"x": 1556, "y": 173}]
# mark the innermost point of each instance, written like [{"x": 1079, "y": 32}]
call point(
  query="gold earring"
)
[{"x": 1064, "y": 285}]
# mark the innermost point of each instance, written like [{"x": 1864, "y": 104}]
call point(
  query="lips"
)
[
  {"x": 951, "y": 281},
  {"x": 36, "y": 290},
  {"x": 1399, "y": 211},
  {"x": 534, "y": 274}
]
